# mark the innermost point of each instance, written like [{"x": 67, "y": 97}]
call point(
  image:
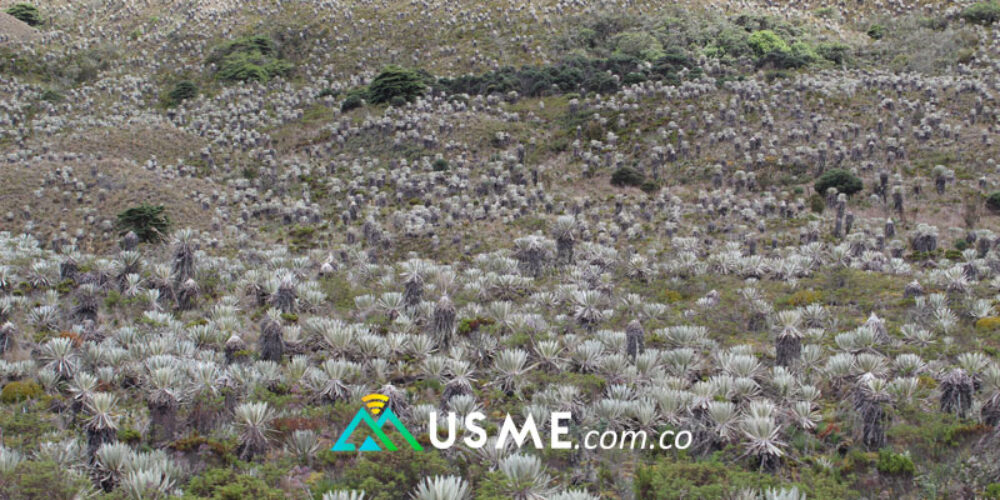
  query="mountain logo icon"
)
[{"x": 366, "y": 415}]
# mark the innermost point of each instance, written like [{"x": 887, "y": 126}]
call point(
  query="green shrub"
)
[
  {"x": 817, "y": 204},
  {"x": 25, "y": 12},
  {"x": 228, "y": 484},
  {"x": 834, "y": 52},
  {"x": 243, "y": 67},
  {"x": 148, "y": 222},
  {"x": 639, "y": 44},
  {"x": 575, "y": 74},
  {"x": 183, "y": 90},
  {"x": 398, "y": 101},
  {"x": 352, "y": 101},
  {"x": 440, "y": 165},
  {"x": 395, "y": 82},
  {"x": 786, "y": 59},
  {"x": 42, "y": 480},
  {"x": 766, "y": 42},
  {"x": 676, "y": 479},
  {"x": 876, "y": 32},
  {"x": 993, "y": 490},
  {"x": 844, "y": 181},
  {"x": 729, "y": 42},
  {"x": 627, "y": 176},
  {"x": 253, "y": 43},
  {"x": 129, "y": 435},
  {"x": 252, "y": 58},
  {"x": 50, "y": 95},
  {"x": 894, "y": 463},
  {"x": 826, "y": 12},
  {"x": 993, "y": 201},
  {"x": 18, "y": 391},
  {"x": 984, "y": 13},
  {"x": 382, "y": 476}
]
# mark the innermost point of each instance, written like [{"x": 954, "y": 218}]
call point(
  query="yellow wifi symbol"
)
[{"x": 375, "y": 402}]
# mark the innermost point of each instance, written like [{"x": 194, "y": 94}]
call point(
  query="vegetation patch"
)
[
  {"x": 149, "y": 222},
  {"x": 251, "y": 58},
  {"x": 26, "y": 13},
  {"x": 839, "y": 179}
]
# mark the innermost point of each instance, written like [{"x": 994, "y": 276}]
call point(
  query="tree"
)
[
  {"x": 766, "y": 41},
  {"x": 26, "y": 13},
  {"x": 252, "y": 58},
  {"x": 993, "y": 201},
  {"x": 984, "y": 13},
  {"x": 183, "y": 90},
  {"x": 627, "y": 176},
  {"x": 148, "y": 222},
  {"x": 842, "y": 180},
  {"x": 394, "y": 81}
]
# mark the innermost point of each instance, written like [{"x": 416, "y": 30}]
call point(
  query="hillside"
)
[{"x": 771, "y": 225}]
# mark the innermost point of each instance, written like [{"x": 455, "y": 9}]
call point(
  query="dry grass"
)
[
  {"x": 14, "y": 30},
  {"x": 114, "y": 182}
]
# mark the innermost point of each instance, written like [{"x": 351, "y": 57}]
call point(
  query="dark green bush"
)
[
  {"x": 183, "y": 90},
  {"x": 50, "y": 95},
  {"x": 249, "y": 44},
  {"x": 627, "y": 176},
  {"x": 782, "y": 60},
  {"x": 149, "y": 222},
  {"x": 354, "y": 99},
  {"x": 395, "y": 82},
  {"x": 650, "y": 187},
  {"x": 252, "y": 58},
  {"x": 894, "y": 463},
  {"x": 844, "y": 181},
  {"x": 876, "y": 32},
  {"x": 440, "y": 165},
  {"x": 228, "y": 484},
  {"x": 817, "y": 204},
  {"x": 243, "y": 67},
  {"x": 27, "y": 13},
  {"x": 984, "y": 13},
  {"x": 574, "y": 74},
  {"x": 993, "y": 201},
  {"x": 834, "y": 52}
]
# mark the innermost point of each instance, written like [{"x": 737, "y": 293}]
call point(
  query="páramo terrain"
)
[{"x": 774, "y": 225}]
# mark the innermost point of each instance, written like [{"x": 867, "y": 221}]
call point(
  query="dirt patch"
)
[
  {"x": 13, "y": 29},
  {"x": 38, "y": 198}
]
